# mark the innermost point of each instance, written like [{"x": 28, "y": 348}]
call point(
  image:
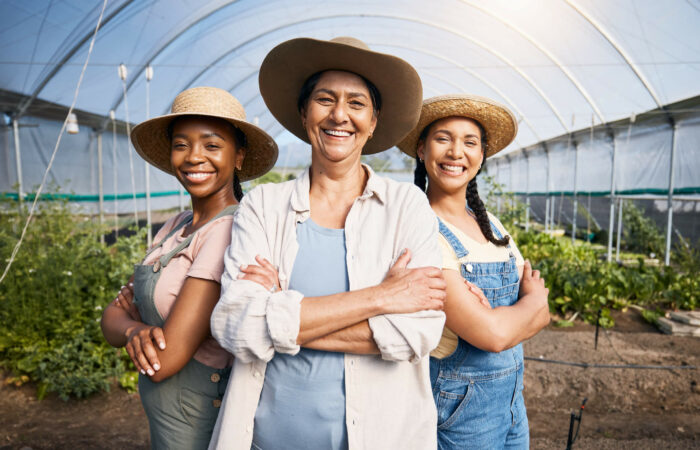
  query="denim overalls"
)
[
  {"x": 182, "y": 409},
  {"x": 479, "y": 394}
]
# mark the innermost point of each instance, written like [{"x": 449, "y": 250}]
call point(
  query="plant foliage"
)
[{"x": 52, "y": 299}]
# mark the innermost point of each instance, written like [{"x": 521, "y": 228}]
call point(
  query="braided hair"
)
[{"x": 473, "y": 200}]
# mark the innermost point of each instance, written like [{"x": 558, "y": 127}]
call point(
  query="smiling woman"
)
[
  {"x": 163, "y": 321},
  {"x": 331, "y": 298},
  {"x": 494, "y": 299}
]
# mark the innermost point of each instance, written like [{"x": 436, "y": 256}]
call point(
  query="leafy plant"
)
[
  {"x": 639, "y": 232},
  {"x": 52, "y": 299}
]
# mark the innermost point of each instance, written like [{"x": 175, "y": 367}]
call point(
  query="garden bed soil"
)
[{"x": 626, "y": 408}]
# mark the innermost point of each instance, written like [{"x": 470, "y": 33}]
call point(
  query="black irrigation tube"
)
[{"x": 608, "y": 366}]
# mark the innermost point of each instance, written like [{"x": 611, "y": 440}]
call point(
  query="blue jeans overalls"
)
[
  {"x": 478, "y": 393},
  {"x": 182, "y": 409}
]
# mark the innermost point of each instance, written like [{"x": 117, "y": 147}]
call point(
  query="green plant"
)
[
  {"x": 52, "y": 299},
  {"x": 640, "y": 233}
]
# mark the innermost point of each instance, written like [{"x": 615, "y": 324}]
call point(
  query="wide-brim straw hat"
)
[
  {"x": 150, "y": 138},
  {"x": 498, "y": 121},
  {"x": 287, "y": 67}
]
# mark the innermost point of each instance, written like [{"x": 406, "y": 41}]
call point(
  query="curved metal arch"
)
[
  {"x": 508, "y": 100},
  {"x": 621, "y": 51},
  {"x": 406, "y": 19},
  {"x": 434, "y": 75},
  {"x": 68, "y": 55},
  {"x": 549, "y": 55},
  {"x": 175, "y": 36}
]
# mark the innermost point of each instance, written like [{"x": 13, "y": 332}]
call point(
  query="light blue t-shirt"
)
[{"x": 302, "y": 404}]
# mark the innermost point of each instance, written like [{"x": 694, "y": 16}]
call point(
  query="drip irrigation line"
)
[
  {"x": 58, "y": 142},
  {"x": 608, "y": 366}
]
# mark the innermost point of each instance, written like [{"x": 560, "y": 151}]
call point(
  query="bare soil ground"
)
[{"x": 626, "y": 408}]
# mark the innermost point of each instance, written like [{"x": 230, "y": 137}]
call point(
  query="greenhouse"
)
[{"x": 606, "y": 94}]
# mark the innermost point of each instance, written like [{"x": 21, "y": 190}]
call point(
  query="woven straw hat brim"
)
[
  {"x": 498, "y": 121},
  {"x": 291, "y": 63},
  {"x": 150, "y": 139}
]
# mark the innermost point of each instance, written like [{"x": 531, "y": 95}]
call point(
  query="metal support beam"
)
[
  {"x": 100, "y": 187},
  {"x": 527, "y": 190},
  {"x": 619, "y": 229},
  {"x": 671, "y": 176},
  {"x": 612, "y": 198},
  {"x": 18, "y": 162},
  {"x": 575, "y": 212},
  {"x": 547, "y": 208}
]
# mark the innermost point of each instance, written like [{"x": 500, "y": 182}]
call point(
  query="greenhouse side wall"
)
[
  {"x": 75, "y": 171},
  {"x": 579, "y": 167}
]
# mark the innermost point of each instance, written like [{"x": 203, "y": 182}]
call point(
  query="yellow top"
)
[{"x": 478, "y": 252}]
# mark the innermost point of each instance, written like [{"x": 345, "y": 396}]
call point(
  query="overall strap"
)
[
  {"x": 452, "y": 240},
  {"x": 164, "y": 260},
  {"x": 175, "y": 229}
]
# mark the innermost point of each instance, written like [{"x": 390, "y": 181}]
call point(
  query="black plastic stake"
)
[
  {"x": 575, "y": 418},
  {"x": 570, "y": 440},
  {"x": 597, "y": 326}
]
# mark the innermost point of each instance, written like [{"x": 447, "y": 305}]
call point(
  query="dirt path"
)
[{"x": 626, "y": 408}]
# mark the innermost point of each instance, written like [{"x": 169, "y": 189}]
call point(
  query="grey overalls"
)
[{"x": 183, "y": 408}]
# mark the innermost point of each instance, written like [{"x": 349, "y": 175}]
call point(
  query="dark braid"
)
[
  {"x": 477, "y": 206},
  {"x": 473, "y": 199},
  {"x": 420, "y": 175},
  {"x": 237, "y": 191}
]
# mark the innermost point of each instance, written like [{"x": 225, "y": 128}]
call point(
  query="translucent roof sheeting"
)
[{"x": 558, "y": 64}]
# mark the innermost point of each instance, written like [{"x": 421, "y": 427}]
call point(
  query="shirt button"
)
[
  {"x": 352, "y": 362},
  {"x": 258, "y": 374},
  {"x": 248, "y": 429},
  {"x": 354, "y": 421},
  {"x": 215, "y": 377},
  {"x": 216, "y": 403}
]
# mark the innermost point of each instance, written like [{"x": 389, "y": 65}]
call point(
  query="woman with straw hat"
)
[
  {"x": 209, "y": 147},
  {"x": 332, "y": 295},
  {"x": 494, "y": 299}
]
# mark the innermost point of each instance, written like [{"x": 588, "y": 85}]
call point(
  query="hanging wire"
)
[{"x": 55, "y": 149}]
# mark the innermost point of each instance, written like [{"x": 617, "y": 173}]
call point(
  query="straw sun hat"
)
[
  {"x": 500, "y": 124},
  {"x": 291, "y": 63},
  {"x": 150, "y": 138}
]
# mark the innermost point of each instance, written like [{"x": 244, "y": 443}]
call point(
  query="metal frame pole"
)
[
  {"x": 575, "y": 212},
  {"x": 100, "y": 186},
  {"x": 619, "y": 230},
  {"x": 671, "y": 175},
  {"x": 527, "y": 192},
  {"x": 114, "y": 174},
  {"x": 547, "y": 208},
  {"x": 612, "y": 198},
  {"x": 149, "y": 233},
  {"x": 18, "y": 162},
  {"x": 498, "y": 182}
]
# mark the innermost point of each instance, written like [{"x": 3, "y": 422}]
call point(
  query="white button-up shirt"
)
[{"x": 389, "y": 404}]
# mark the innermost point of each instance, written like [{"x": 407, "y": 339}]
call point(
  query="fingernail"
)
[
  {"x": 150, "y": 372},
  {"x": 244, "y": 266},
  {"x": 143, "y": 372},
  {"x": 162, "y": 346},
  {"x": 131, "y": 284},
  {"x": 122, "y": 286},
  {"x": 240, "y": 275},
  {"x": 156, "y": 366}
]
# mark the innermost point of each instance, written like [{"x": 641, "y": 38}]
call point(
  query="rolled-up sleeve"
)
[
  {"x": 410, "y": 337},
  {"x": 249, "y": 321}
]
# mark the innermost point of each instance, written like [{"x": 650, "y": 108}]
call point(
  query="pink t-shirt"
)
[{"x": 203, "y": 258}]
